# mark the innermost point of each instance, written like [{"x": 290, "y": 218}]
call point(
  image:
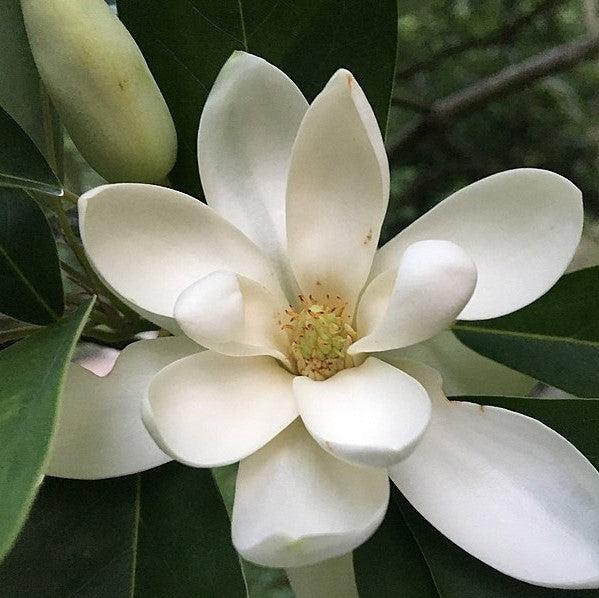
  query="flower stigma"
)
[{"x": 319, "y": 334}]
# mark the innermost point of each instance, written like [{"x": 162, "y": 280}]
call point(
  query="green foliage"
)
[
  {"x": 555, "y": 339},
  {"x": 163, "y": 533},
  {"x": 19, "y": 81},
  {"x": 21, "y": 163},
  {"x": 30, "y": 282},
  {"x": 408, "y": 557},
  {"x": 391, "y": 563},
  {"x": 33, "y": 372},
  {"x": 187, "y": 42}
]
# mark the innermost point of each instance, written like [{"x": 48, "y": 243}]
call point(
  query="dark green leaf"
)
[
  {"x": 21, "y": 163},
  {"x": 555, "y": 339},
  {"x": 160, "y": 534},
  {"x": 32, "y": 373},
  {"x": 19, "y": 79},
  {"x": 184, "y": 541},
  {"x": 30, "y": 282},
  {"x": 186, "y": 42},
  {"x": 390, "y": 564}
]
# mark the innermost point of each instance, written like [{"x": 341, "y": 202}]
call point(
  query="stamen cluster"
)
[{"x": 320, "y": 334}]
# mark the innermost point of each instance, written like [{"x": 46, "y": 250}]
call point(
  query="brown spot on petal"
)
[{"x": 368, "y": 237}]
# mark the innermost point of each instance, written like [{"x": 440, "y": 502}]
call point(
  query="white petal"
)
[
  {"x": 209, "y": 410},
  {"x": 233, "y": 315},
  {"x": 433, "y": 283},
  {"x": 337, "y": 192},
  {"x": 296, "y": 505},
  {"x": 333, "y": 577},
  {"x": 247, "y": 130},
  {"x": 100, "y": 433},
  {"x": 508, "y": 490},
  {"x": 372, "y": 415},
  {"x": 150, "y": 243},
  {"x": 521, "y": 228},
  {"x": 464, "y": 371}
]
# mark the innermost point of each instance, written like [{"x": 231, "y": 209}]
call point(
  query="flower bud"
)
[{"x": 102, "y": 88}]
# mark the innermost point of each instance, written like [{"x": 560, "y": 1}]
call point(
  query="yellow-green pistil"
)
[{"x": 320, "y": 334}]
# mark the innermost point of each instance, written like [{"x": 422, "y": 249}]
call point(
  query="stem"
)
[{"x": 70, "y": 197}]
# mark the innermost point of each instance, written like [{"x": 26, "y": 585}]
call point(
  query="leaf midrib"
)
[{"x": 526, "y": 335}]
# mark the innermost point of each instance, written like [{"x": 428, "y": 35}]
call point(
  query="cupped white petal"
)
[
  {"x": 209, "y": 409},
  {"x": 337, "y": 191},
  {"x": 247, "y": 130},
  {"x": 233, "y": 315},
  {"x": 507, "y": 489},
  {"x": 149, "y": 243},
  {"x": 464, "y": 371},
  {"x": 372, "y": 415},
  {"x": 521, "y": 227},
  {"x": 422, "y": 297},
  {"x": 100, "y": 433},
  {"x": 296, "y": 505}
]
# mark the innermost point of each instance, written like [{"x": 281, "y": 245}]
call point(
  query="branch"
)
[
  {"x": 503, "y": 35},
  {"x": 510, "y": 79}
]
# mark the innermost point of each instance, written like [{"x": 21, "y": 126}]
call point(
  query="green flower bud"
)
[{"x": 102, "y": 88}]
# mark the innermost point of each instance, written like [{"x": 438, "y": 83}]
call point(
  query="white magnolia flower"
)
[{"x": 281, "y": 280}]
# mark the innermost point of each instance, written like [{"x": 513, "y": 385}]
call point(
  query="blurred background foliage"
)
[{"x": 547, "y": 122}]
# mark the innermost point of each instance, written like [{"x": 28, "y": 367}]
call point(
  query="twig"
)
[
  {"x": 506, "y": 81},
  {"x": 502, "y": 35}
]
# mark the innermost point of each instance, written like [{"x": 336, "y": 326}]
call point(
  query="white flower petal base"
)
[
  {"x": 233, "y": 315},
  {"x": 508, "y": 490},
  {"x": 296, "y": 505},
  {"x": 370, "y": 415},
  {"x": 210, "y": 410},
  {"x": 433, "y": 283},
  {"x": 337, "y": 191}
]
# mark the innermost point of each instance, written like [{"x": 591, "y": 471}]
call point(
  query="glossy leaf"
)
[
  {"x": 32, "y": 373},
  {"x": 21, "y": 163},
  {"x": 30, "y": 282},
  {"x": 19, "y": 80},
  {"x": 163, "y": 533},
  {"x": 555, "y": 339},
  {"x": 186, "y": 42},
  {"x": 417, "y": 560}
]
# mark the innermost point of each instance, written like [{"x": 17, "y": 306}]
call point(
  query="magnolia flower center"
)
[{"x": 319, "y": 334}]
